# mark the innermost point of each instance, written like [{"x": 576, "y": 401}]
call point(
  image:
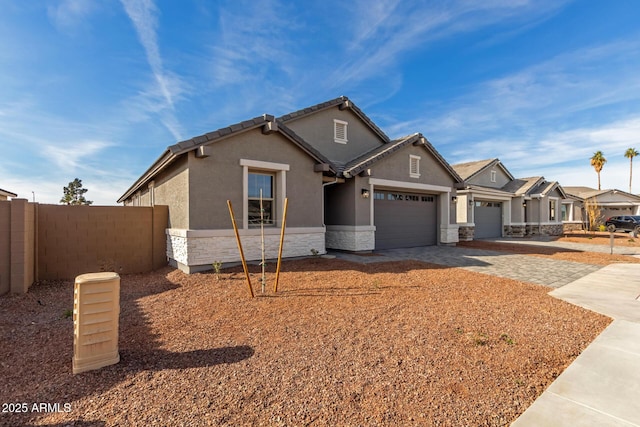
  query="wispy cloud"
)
[
  {"x": 143, "y": 14},
  {"x": 71, "y": 156},
  {"x": 68, "y": 15},
  {"x": 387, "y": 29}
]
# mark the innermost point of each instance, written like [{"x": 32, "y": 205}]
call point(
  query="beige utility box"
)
[{"x": 96, "y": 312}]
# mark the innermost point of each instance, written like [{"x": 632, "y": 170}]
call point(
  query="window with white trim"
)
[
  {"x": 261, "y": 190},
  {"x": 414, "y": 166},
  {"x": 340, "y": 131},
  {"x": 552, "y": 210},
  {"x": 493, "y": 176}
]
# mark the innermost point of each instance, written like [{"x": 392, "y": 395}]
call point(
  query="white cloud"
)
[
  {"x": 143, "y": 14},
  {"x": 385, "y": 30},
  {"x": 69, "y": 15},
  {"x": 72, "y": 157}
]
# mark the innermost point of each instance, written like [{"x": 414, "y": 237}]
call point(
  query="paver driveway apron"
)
[{"x": 542, "y": 271}]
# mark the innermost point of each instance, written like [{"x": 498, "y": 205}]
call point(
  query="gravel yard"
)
[
  {"x": 595, "y": 258},
  {"x": 396, "y": 343}
]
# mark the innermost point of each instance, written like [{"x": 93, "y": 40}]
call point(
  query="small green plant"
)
[
  {"x": 217, "y": 266},
  {"x": 506, "y": 338},
  {"x": 602, "y": 228},
  {"x": 314, "y": 252},
  {"x": 481, "y": 339},
  {"x": 459, "y": 331},
  {"x": 67, "y": 313}
]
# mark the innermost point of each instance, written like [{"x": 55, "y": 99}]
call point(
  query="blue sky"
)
[{"x": 98, "y": 89}]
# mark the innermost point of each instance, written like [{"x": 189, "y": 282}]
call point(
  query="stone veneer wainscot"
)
[{"x": 197, "y": 250}]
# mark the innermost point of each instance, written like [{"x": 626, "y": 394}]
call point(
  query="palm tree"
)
[
  {"x": 598, "y": 161},
  {"x": 630, "y": 154}
]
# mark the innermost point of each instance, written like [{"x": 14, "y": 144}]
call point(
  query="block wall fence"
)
[{"x": 50, "y": 242}]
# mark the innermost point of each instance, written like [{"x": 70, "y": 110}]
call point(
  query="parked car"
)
[{"x": 624, "y": 223}]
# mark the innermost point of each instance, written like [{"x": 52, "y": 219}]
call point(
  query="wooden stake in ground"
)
[
  {"x": 263, "y": 263},
  {"x": 244, "y": 263},
  {"x": 284, "y": 221}
]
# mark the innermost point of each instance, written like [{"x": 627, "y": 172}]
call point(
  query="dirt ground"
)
[
  {"x": 396, "y": 343},
  {"x": 595, "y": 258},
  {"x": 600, "y": 238}
]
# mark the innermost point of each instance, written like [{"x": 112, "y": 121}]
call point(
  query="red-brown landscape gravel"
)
[
  {"x": 563, "y": 254},
  {"x": 395, "y": 343}
]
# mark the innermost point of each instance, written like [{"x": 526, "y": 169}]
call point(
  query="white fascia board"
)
[
  {"x": 259, "y": 164},
  {"x": 409, "y": 185}
]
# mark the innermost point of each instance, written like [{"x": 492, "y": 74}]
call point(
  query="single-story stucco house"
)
[
  {"x": 608, "y": 202},
  {"x": 4, "y": 194},
  {"x": 495, "y": 204},
  {"x": 349, "y": 187}
]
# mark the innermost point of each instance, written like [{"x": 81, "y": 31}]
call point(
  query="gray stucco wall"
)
[
  {"x": 171, "y": 189},
  {"x": 396, "y": 167},
  {"x": 215, "y": 179},
  {"x": 517, "y": 212},
  {"x": 484, "y": 178},
  {"x": 555, "y": 193},
  {"x": 340, "y": 203},
  {"x": 318, "y": 128}
]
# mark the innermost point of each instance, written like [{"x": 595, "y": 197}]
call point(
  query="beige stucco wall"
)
[
  {"x": 219, "y": 177},
  {"x": 318, "y": 128},
  {"x": 5, "y": 246}
]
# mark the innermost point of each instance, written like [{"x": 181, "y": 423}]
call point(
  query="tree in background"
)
[
  {"x": 598, "y": 161},
  {"x": 74, "y": 194},
  {"x": 630, "y": 154},
  {"x": 595, "y": 216}
]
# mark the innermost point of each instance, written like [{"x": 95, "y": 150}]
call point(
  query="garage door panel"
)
[
  {"x": 488, "y": 219},
  {"x": 405, "y": 219}
]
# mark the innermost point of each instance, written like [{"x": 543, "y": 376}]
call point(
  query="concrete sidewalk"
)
[{"x": 602, "y": 386}]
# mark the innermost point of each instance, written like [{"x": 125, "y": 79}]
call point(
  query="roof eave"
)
[{"x": 162, "y": 162}]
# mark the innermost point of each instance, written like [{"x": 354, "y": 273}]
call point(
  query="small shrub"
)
[
  {"x": 217, "y": 266},
  {"x": 506, "y": 338},
  {"x": 67, "y": 313},
  {"x": 314, "y": 252}
]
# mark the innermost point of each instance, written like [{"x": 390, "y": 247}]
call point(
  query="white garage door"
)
[{"x": 405, "y": 220}]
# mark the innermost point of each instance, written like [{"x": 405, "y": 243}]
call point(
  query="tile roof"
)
[
  {"x": 583, "y": 192},
  {"x": 279, "y": 125},
  {"x": 522, "y": 186},
  {"x": 357, "y": 165},
  {"x": 468, "y": 169},
  {"x": 343, "y": 100},
  {"x": 192, "y": 143},
  {"x": 588, "y": 192}
]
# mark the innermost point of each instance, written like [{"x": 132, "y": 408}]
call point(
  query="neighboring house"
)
[
  {"x": 608, "y": 203},
  {"x": 4, "y": 194},
  {"x": 495, "y": 204},
  {"x": 350, "y": 187}
]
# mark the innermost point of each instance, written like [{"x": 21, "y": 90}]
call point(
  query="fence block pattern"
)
[
  {"x": 81, "y": 239},
  {"x": 48, "y": 242}
]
